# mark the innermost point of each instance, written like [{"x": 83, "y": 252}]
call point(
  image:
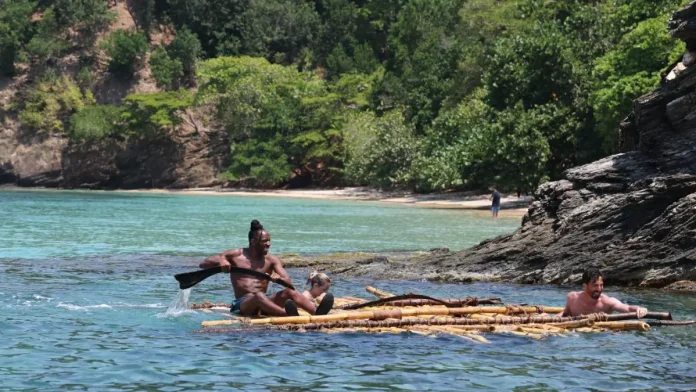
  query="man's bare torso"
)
[
  {"x": 580, "y": 303},
  {"x": 246, "y": 284}
]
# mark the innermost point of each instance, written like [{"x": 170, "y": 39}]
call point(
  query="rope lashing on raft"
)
[
  {"x": 513, "y": 309},
  {"x": 599, "y": 317}
]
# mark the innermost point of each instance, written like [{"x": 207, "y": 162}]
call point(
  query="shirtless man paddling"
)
[
  {"x": 250, "y": 291},
  {"x": 591, "y": 299}
]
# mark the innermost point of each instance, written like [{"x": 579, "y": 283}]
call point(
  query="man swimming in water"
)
[
  {"x": 591, "y": 299},
  {"x": 250, "y": 291}
]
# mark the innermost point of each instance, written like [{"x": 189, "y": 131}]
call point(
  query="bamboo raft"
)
[{"x": 468, "y": 318}]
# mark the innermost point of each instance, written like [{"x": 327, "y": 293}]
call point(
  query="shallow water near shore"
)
[{"x": 86, "y": 283}]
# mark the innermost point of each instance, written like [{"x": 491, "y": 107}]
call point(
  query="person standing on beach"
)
[
  {"x": 250, "y": 291},
  {"x": 495, "y": 205}
]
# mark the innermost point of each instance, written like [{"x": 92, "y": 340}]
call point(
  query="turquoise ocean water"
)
[{"x": 86, "y": 287}]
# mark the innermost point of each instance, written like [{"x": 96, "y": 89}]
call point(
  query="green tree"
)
[
  {"x": 147, "y": 115},
  {"x": 47, "y": 43},
  {"x": 381, "y": 150},
  {"x": 629, "y": 71},
  {"x": 87, "y": 18},
  {"x": 185, "y": 48},
  {"x": 165, "y": 70},
  {"x": 125, "y": 49},
  {"x": 424, "y": 55},
  {"x": 266, "y": 107},
  {"x": 15, "y": 26},
  {"x": 532, "y": 68},
  {"x": 511, "y": 152}
]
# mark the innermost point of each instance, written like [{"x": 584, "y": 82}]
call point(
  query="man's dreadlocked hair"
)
[{"x": 255, "y": 229}]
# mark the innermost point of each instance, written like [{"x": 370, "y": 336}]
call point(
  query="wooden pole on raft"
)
[
  {"x": 401, "y": 313},
  {"x": 623, "y": 325},
  {"x": 378, "y": 293},
  {"x": 423, "y": 321},
  {"x": 661, "y": 323}
]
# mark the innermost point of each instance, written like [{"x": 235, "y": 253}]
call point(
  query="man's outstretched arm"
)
[
  {"x": 620, "y": 307},
  {"x": 222, "y": 260}
]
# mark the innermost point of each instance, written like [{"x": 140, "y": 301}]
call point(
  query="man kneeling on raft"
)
[
  {"x": 250, "y": 291},
  {"x": 591, "y": 299}
]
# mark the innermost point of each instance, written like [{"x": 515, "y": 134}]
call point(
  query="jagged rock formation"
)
[
  {"x": 632, "y": 214},
  {"x": 188, "y": 156}
]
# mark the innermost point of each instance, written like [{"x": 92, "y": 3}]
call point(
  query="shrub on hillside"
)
[
  {"x": 47, "y": 104},
  {"x": 125, "y": 49},
  {"x": 186, "y": 48},
  {"x": 164, "y": 69},
  {"x": 148, "y": 114},
  {"x": 95, "y": 122}
]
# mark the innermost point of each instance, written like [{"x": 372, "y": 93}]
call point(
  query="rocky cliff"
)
[{"x": 189, "y": 155}]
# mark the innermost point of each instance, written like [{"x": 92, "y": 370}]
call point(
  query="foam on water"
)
[{"x": 83, "y": 308}]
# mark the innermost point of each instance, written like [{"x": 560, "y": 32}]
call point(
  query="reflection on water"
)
[{"x": 105, "y": 331}]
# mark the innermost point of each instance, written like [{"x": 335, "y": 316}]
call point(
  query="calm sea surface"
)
[{"x": 86, "y": 287}]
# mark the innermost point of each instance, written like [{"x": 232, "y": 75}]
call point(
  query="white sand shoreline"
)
[{"x": 511, "y": 205}]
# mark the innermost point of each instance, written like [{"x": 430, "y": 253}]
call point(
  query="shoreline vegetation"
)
[{"x": 511, "y": 205}]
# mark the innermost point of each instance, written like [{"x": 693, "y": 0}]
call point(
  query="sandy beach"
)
[{"x": 511, "y": 205}]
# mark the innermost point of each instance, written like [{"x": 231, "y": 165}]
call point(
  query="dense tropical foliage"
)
[{"x": 426, "y": 94}]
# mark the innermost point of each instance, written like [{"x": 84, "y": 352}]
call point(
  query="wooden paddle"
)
[{"x": 189, "y": 279}]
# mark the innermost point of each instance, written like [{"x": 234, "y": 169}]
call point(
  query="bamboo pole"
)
[
  {"x": 623, "y": 325},
  {"x": 378, "y": 293},
  {"x": 479, "y": 327},
  {"x": 398, "y": 314},
  {"x": 420, "y": 321},
  {"x": 588, "y": 329},
  {"x": 666, "y": 323},
  {"x": 574, "y": 324}
]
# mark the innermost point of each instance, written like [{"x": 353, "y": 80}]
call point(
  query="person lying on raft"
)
[
  {"x": 319, "y": 284},
  {"x": 591, "y": 299},
  {"x": 250, "y": 291}
]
